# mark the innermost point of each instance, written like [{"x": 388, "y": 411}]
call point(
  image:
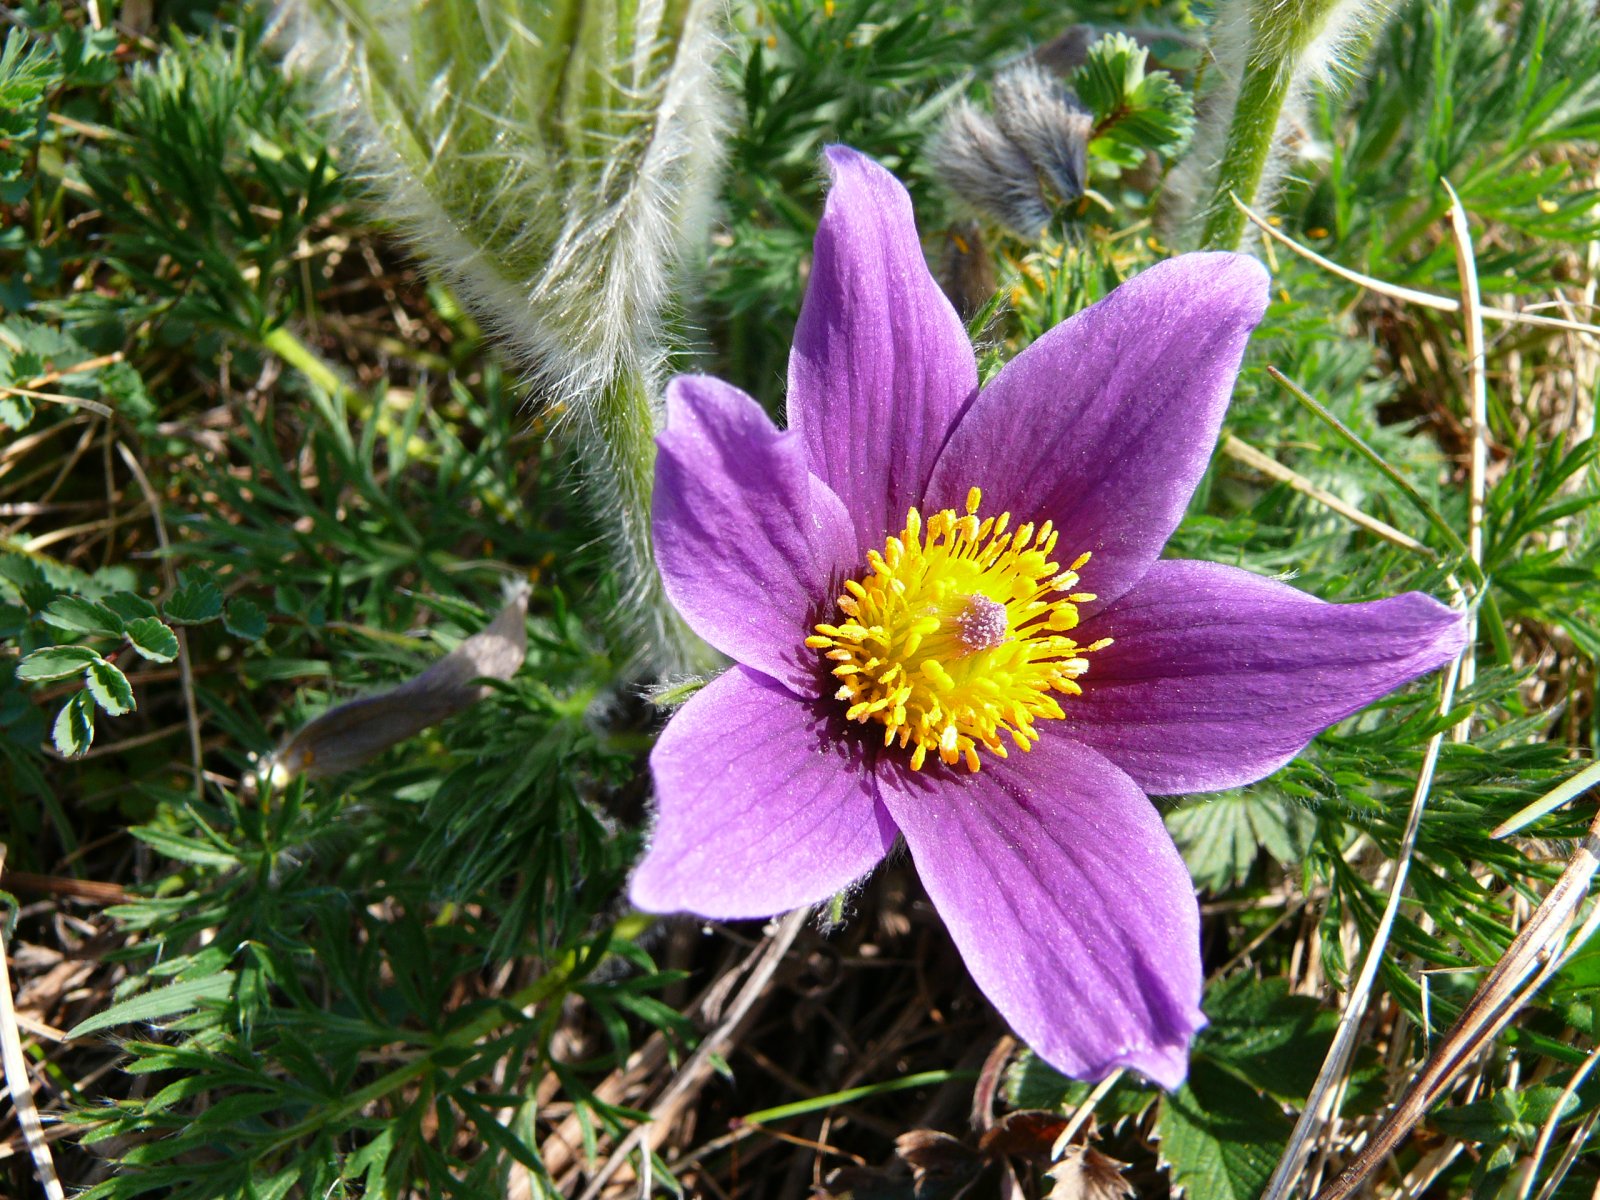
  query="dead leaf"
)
[
  {"x": 1083, "y": 1173},
  {"x": 1027, "y": 1133},
  {"x": 347, "y": 736}
]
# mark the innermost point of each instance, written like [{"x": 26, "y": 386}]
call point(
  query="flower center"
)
[{"x": 958, "y": 635}]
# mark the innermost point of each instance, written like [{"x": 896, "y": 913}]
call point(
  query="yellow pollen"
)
[{"x": 957, "y": 635}]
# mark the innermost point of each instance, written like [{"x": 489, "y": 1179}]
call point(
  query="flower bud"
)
[
  {"x": 1021, "y": 165},
  {"x": 555, "y": 159}
]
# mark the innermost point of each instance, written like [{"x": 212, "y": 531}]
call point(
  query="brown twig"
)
[
  {"x": 61, "y": 885},
  {"x": 701, "y": 1064},
  {"x": 1247, "y": 454},
  {"x": 21, "y": 1085},
  {"x": 1355, "y": 1007},
  {"x": 1509, "y": 985}
]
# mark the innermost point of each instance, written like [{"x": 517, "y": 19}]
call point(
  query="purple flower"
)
[{"x": 1003, "y": 675}]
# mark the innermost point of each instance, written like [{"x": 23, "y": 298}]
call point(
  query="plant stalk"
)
[
  {"x": 1251, "y": 134},
  {"x": 619, "y": 464}
]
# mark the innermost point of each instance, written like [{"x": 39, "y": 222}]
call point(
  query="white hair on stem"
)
[
  {"x": 1299, "y": 43},
  {"x": 556, "y": 160}
]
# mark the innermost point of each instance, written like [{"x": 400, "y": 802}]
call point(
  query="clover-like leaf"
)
[
  {"x": 109, "y": 687},
  {"x": 80, "y": 615},
  {"x": 55, "y": 662},
  {"x": 195, "y": 602},
  {"x": 151, "y": 637},
  {"x": 243, "y": 618},
  {"x": 128, "y": 605},
  {"x": 73, "y": 732}
]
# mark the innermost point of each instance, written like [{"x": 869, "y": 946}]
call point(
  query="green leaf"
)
[
  {"x": 73, "y": 732},
  {"x": 16, "y": 412},
  {"x": 1265, "y": 1035},
  {"x": 184, "y": 849},
  {"x": 128, "y": 605},
  {"x": 1508, "y": 1114},
  {"x": 1030, "y": 1082},
  {"x": 195, "y": 602},
  {"x": 55, "y": 662},
  {"x": 110, "y": 688},
  {"x": 244, "y": 618},
  {"x": 123, "y": 387},
  {"x": 1220, "y": 836},
  {"x": 28, "y": 579},
  {"x": 26, "y": 72},
  {"x": 1220, "y": 1138},
  {"x": 78, "y": 615},
  {"x": 167, "y": 1001},
  {"x": 1133, "y": 111},
  {"x": 152, "y": 639},
  {"x": 368, "y": 1161},
  {"x": 675, "y": 694}
]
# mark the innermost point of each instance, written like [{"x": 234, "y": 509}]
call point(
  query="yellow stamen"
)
[{"x": 957, "y": 634}]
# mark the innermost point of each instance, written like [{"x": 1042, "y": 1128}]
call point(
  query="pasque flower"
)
[{"x": 951, "y": 624}]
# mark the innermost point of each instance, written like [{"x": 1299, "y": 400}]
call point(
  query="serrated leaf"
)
[
  {"x": 167, "y": 1001},
  {"x": 243, "y": 618},
  {"x": 13, "y": 621},
  {"x": 152, "y": 639},
  {"x": 128, "y": 605},
  {"x": 1220, "y": 836},
  {"x": 25, "y": 366},
  {"x": 1509, "y": 1114},
  {"x": 1261, "y": 1032},
  {"x": 16, "y": 412},
  {"x": 73, "y": 732},
  {"x": 26, "y": 577},
  {"x": 194, "y": 603},
  {"x": 1286, "y": 829},
  {"x": 1133, "y": 110},
  {"x": 55, "y": 662},
  {"x": 79, "y": 615},
  {"x": 121, "y": 384},
  {"x": 110, "y": 688},
  {"x": 26, "y": 71},
  {"x": 1219, "y": 1137},
  {"x": 1032, "y": 1083}
]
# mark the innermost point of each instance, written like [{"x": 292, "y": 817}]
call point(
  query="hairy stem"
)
[
  {"x": 620, "y": 467},
  {"x": 1251, "y": 134}
]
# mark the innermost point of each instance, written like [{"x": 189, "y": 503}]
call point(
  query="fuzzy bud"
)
[
  {"x": 554, "y": 157},
  {"x": 556, "y": 160},
  {"x": 1019, "y": 166},
  {"x": 1032, "y": 110}
]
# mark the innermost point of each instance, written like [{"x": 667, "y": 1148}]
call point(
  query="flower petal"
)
[
  {"x": 1217, "y": 677},
  {"x": 761, "y": 807},
  {"x": 1106, "y": 423},
  {"x": 1068, "y": 901},
  {"x": 881, "y": 363},
  {"x": 748, "y": 541}
]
